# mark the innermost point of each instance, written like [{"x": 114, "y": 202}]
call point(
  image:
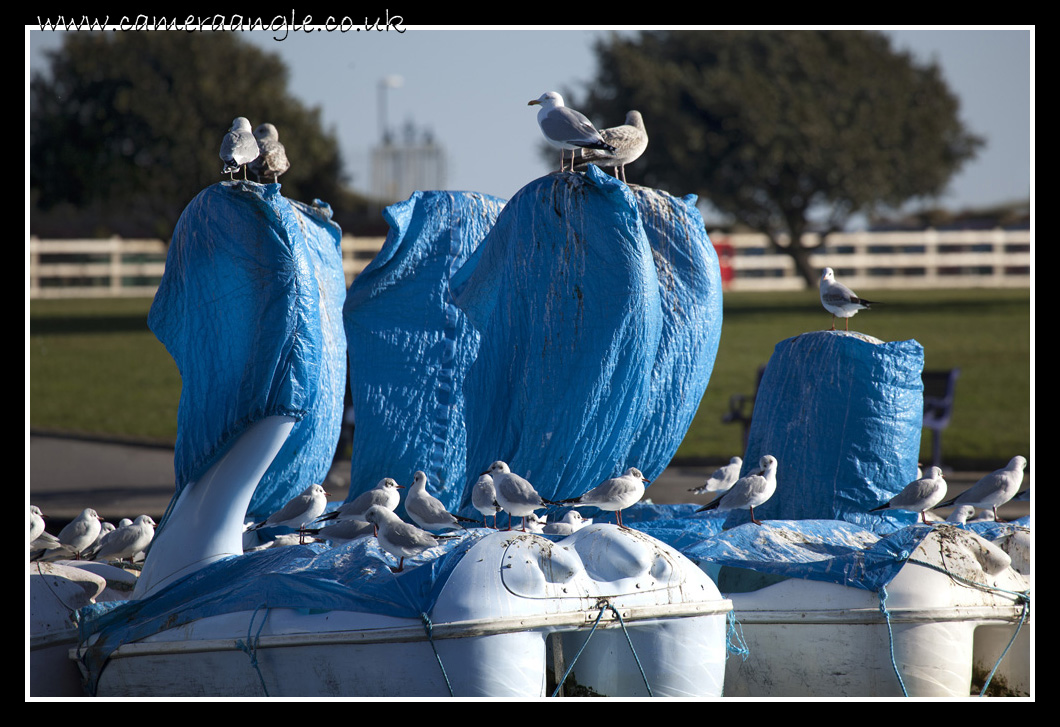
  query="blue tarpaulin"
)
[
  {"x": 586, "y": 321},
  {"x": 250, "y": 309},
  {"x": 842, "y": 414}
]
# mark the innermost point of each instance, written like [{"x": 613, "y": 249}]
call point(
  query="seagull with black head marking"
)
[
  {"x": 839, "y": 300},
  {"x": 565, "y": 128}
]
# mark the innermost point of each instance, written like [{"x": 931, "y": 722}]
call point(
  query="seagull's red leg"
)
[{"x": 756, "y": 522}]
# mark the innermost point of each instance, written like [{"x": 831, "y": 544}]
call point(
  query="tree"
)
[
  {"x": 125, "y": 128},
  {"x": 781, "y": 128}
]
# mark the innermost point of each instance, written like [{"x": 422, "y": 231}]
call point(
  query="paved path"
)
[{"x": 125, "y": 480}]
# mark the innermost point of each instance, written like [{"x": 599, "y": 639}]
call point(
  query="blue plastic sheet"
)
[
  {"x": 250, "y": 309},
  {"x": 410, "y": 346},
  {"x": 570, "y": 332},
  {"x": 843, "y": 416}
]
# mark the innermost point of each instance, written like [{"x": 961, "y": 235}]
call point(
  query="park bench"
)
[{"x": 939, "y": 387}]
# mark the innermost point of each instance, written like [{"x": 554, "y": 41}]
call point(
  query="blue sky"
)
[{"x": 470, "y": 89}]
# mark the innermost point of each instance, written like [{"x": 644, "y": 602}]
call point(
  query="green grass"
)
[{"x": 96, "y": 368}]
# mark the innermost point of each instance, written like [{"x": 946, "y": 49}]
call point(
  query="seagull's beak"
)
[
  {"x": 401, "y": 487},
  {"x": 535, "y": 102}
]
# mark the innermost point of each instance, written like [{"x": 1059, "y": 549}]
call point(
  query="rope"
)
[
  {"x": 1023, "y": 618},
  {"x": 890, "y": 638},
  {"x": 604, "y": 606},
  {"x": 250, "y": 646},
  {"x": 428, "y": 626},
  {"x": 734, "y": 641}
]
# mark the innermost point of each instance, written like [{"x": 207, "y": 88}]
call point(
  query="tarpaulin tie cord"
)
[
  {"x": 1023, "y": 618},
  {"x": 604, "y": 607},
  {"x": 250, "y": 646},
  {"x": 428, "y": 626},
  {"x": 734, "y": 641},
  {"x": 890, "y": 637}
]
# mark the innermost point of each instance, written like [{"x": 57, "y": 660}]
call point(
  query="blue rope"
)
[
  {"x": 428, "y": 626},
  {"x": 603, "y": 607},
  {"x": 734, "y": 641},
  {"x": 890, "y": 637},
  {"x": 1023, "y": 617},
  {"x": 250, "y": 646}
]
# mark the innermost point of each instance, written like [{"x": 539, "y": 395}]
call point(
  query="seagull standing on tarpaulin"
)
[
  {"x": 920, "y": 495},
  {"x": 397, "y": 537},
  {"x": 629, "y": 140},
  {"x": 238, "y": 148},
  {"x": 515, "y": 494},
  {"x": 484, "y": 499},
  {"x": 427, "y": 511},
  {"x": 385, "y": 494},
  {"x": 995, "y": 489},
  {"x": 566, "y": 128},
  {"x": 272, "y": 156},
  {"x": 839, "y": 300},
  {"x": 749, "y": 492},
  {"x": 614, "y": 494},
  {"x": 299, "y": 511}
]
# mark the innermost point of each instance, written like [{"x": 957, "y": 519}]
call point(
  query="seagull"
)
[
  {"x": 995, "y": 489},
  {"x": 629, "y": 140},
  {"x": 238, "y": 148},
  {"x": 299, "y": 511},
  {"x": 81, "y": 532},
  {"x": 36, "y": 523},
  {"x": 385, "y": 494},
  {"x": 749, "y": 492},
  {"x": 839, "y": 300},
  {"x": 964, "y": 513},
  {"x": 397, "y": 537},
  {"x": 571, "y": 523},
  {"x": 126, "y": 542},
  {"x": 427, "y": 511},
  {"x": 272, "y": 156},
  {"x": 515, "y": 495},
  {"x": 615, "y": 494},
  {"x": 566, "y": 128},
  {"x": 722, "y": 479},
  {"x": 536, "y": 523},
  {"x": 484, "y": 499},
  {"x": 341, "y": 532},
  {"x": 282, "y": 541},
  {"x": 920, "y": 495}
]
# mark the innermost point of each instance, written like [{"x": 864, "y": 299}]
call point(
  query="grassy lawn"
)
[{"x": 96, "y": 368}]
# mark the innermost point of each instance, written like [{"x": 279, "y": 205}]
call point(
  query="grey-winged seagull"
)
[
  {"x": 515, "y": 494},
  {"x": 919, "y": 495},
  {"x": 995, "y": 489},
  {"x": 749, "y": 492},
  {"x": 299, "y": 511},
  {"x": 397, "y": 537},
  {"x": 629, "y": 140},
  {"x": 839, "y": 300},
  {"x": 272, "y": 156},
  {"x": 614, "y": 494},
  {"x": 238, "y": 148},
  {"x": 565, "y": 128}
]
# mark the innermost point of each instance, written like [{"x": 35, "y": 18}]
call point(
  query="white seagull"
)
[
  {"x": 272, "y": 156},
  {"x": 36, "y": 523},
  {"x": 397, "y": 537},
  {"x": 920, "y": 495},
  {"x": 238, "y": 148},
  {"x": 81, "y": 532},
  {"x": 749, "y": 492},
  {"x": 515, "y": 494},
  {"x": 565, "y": 128},
  {"x": 995, "y": 489},
  {"x": 614, "y": 494},
  {"x": 629, "y": 140},
  {"x": 484, "y": 499},
  {"x": 299, "y": 511},
  {"x": 722, "y": 479},
  {"x": 571, "y": 523},
  {"x": 839, "y": 300},
  {"x": 427, "y": 511},
  {"x": 964, "y": 514},
  {"x": 341, "y": 532},
  {"x": 385, "y": 494},
  {"x": 127, "y": 541}
]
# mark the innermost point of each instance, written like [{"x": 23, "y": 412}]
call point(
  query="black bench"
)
[{"x": 939, "y": 388}]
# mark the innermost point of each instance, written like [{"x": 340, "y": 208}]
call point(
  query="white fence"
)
[
  {"x": 951, "y": 259},
  {"x": 907, "y": 259}
]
